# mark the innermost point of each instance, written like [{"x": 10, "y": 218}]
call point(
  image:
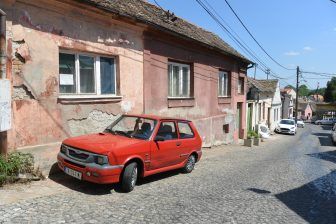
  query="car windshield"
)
[
  {"x": 290, "y": 122},
  {"x": 132, "y": 127}
]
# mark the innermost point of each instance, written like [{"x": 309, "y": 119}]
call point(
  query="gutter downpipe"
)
[{"x": 3, "y": 61}]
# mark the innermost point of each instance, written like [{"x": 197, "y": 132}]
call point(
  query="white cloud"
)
[
  {"x": 307, "y": 48},
  {"x": 292, "y": 53}
]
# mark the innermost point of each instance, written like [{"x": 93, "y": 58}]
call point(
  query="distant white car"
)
[
  {"x": 333, "y": 134},
  {"x": 300, "y": 123},
  {"x": 326, "y": 121},
  {"x": 286, "y": 126}
]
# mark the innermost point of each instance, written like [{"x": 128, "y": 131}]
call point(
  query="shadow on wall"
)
[
  {"x": 324, "y": 138},
  {"x": 315, "y": 201}
]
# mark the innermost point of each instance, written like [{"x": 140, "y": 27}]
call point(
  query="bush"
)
[
  {"x": 252, "y": 134},
  {"x": 15, "y": 164}
]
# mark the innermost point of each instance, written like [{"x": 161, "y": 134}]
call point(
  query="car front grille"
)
[
  {"x": 77, "y": 154},
  {"x": 285, "y": 129}
]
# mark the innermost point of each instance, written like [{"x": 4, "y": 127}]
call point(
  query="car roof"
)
[{"x": 155, "y": 117}]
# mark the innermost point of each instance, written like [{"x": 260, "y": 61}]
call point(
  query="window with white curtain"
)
[
  {"x": 223, "y": 84},
  {"x": 178, "y": 80},
  {"x": 86, "y": 74}
]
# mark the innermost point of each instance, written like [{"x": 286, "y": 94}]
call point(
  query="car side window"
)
[
  {"x": 185, "y": 130},
  {"x": 167, "y": 130}
]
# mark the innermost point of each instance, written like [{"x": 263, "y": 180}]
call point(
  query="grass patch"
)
[{"x": 15, "y": 164}]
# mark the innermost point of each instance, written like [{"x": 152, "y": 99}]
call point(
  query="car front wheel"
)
[
  {"x": 189, "y": 166},
  {"x": 129, "y": 177}
]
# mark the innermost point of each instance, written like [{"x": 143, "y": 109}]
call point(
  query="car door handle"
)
[{"x": 178, "y": 143}]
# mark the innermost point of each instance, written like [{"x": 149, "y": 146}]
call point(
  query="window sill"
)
[
  {"x": 224, "y": 99},
  {"x": 88, "y": 98},
  {"x": 181, "y": 102}
]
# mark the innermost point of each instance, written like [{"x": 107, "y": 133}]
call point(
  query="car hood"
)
[
  {"x": 286, "y": 126},
  {"x": 101, "y": 143}
]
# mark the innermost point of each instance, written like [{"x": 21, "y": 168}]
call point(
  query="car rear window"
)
[{"x": 185, "y": 130}]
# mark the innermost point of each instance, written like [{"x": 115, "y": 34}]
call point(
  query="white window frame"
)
[
  {"x": 223, "y": 83},
  {"x": 97, "y": 77},
  {"x": 240, "y": 86},
  {"x": 170, "y": 77}
]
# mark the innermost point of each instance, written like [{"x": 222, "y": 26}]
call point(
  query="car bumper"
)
[
  {"x": 91, "y": 173},
  {"x": 285, "y": 131},
  {"x": 199, "y": 155}
]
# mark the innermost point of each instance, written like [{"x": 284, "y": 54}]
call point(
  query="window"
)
[
  {"x": 185, "y": 130},
  {"x": 86, "y": 74},
  {"x": 167, "y": 130},
  {"x": 223, "y": 84},
  {"x": 178, "y": 80},
  {"x": 241, "y": 85}
]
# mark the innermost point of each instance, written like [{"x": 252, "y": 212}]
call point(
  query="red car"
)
[{"x": 131, "y": 147}]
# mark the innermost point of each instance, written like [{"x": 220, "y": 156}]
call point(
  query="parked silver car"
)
[
  {"x": 326, "y": 121},
  {"x": 333, "y": 134}
]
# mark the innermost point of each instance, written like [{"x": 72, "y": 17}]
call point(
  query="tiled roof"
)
[
  {"x": 154, "y": 16},
  {"x": 264, "y": 85}
]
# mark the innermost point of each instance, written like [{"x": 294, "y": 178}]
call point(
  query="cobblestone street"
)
[{"x": 289, "y": 179}]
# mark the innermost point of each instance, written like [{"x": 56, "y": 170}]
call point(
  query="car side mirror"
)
[{"x": 159, "y": 139}]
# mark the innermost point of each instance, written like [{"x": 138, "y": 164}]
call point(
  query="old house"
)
[
  {"x": 75, "y": 65},
  {"x": 304, "y": 110},
  {"x": 287, "y": 104},
  {"x": 263, "y": 103}
]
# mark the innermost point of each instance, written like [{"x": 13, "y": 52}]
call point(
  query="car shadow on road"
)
[
  {"x": 324, "y": 138},
  {"x": 315, "y": 201},
  {"x": 85, "y": 187},
  {"x": 159, "y": 176},
  {"x": 329, "y": 156}
]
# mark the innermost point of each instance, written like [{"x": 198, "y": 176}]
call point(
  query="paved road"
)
[{"x": 290, "y": 179}]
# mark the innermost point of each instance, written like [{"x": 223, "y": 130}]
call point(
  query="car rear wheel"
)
[
  {"x": 189, "y": 166},
  {"x": 129, "y": 177}
]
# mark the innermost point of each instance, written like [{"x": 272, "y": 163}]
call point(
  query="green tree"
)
[
  {"x": 290, "y": 87},
  {"x": 330, "y": 92},
  {"x": 303, "y": 90}
]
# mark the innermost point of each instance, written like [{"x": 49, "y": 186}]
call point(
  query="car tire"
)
[
  {"x": 129, "y": 177},
  {"x": 190, "y": 164}
]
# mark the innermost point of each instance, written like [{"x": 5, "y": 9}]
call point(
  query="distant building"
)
[
  {"x": 316, "y": 98},
  {"x": 263, "y": 103},
  {"x": 287, "y": 104}
]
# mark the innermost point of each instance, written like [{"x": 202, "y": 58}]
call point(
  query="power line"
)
[
  {"x": 320, "y": 73},
  {"x": 262, "y": 48},
  {"x": 333, "y": 1},
  {"x": 238, "y": 42}
]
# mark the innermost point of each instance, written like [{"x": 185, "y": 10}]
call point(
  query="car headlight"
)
[
  {"x": 292, "y": 128},
  {"x": 63, "y": 149},
  {"x": 101, "y": 160}
]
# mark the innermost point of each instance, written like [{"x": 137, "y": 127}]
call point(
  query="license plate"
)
[{"x": 73, "y": 173}]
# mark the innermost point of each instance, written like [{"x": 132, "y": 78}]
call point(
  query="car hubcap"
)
[
  {"x": 134, "y": 176},
  {"x": 191, "y": 163}
]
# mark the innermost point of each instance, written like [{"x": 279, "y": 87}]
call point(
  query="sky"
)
[{"x": 294, "y": 32}]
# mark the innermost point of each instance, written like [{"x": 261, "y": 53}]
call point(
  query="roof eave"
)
[{"x": 164, "y": 29}]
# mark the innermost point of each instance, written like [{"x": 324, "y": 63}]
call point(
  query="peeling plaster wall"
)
[
  {"x": 37, "y": 30},
  {"x": 96, "y": 121}
]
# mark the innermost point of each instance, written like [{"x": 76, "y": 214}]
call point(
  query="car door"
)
[
  {"x": 187, "y": 139},
  {"x": 164, "y": 152}
]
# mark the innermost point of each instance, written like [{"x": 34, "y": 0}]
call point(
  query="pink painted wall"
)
[{"x": 205, "y": 108}]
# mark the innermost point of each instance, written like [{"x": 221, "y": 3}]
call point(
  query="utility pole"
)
[
  {"x": 268, "y": 71},
  {"x": 297, "y": 93}
]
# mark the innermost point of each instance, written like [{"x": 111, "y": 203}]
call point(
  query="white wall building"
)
[{"x": 264, "y": 104}]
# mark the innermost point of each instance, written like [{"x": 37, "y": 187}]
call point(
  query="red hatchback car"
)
[{"x": 131, "y": 147}]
